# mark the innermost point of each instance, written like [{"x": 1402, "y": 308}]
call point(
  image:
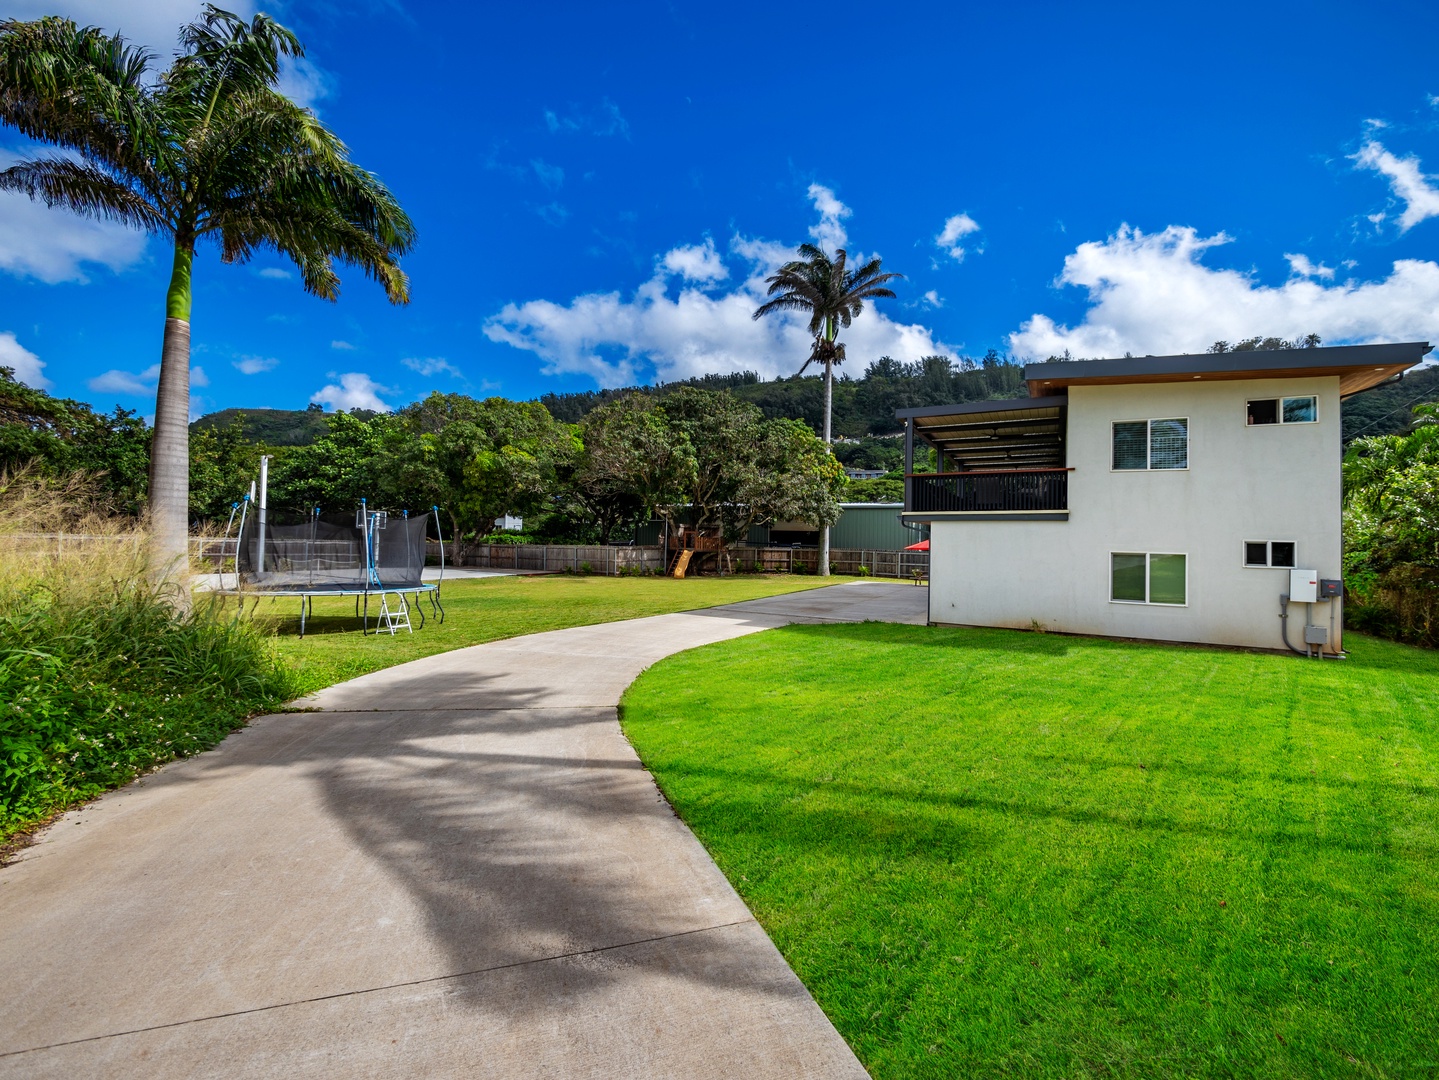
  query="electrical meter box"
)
[
  {"x": 1330, "y": 588},
  {"x": 1303, "y": 586}
]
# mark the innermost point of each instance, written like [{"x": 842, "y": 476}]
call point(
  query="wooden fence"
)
[
  {"x": 592, "y": 558},
  {"x": 598, "y": 559},
  {"x": 894, "y": 564}
]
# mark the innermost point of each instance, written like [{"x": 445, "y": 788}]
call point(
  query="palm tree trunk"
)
[
  {"x": 169, "y": 507},
  {"x": 828, "y": 405}
]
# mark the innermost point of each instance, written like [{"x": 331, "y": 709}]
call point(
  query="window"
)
[
  {"x": 1269, "y": 553},
  {"x": 1290, "y": 410},
  {"x": 1151, "y": 444},
  {"x": 1148, "y": 577}
]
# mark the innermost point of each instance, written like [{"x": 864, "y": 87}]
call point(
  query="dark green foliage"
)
[
  {"x": 571, "y": 407},
  {"x": 1258, "y": 343},
  {"x": 336, "y": 471},
  {"x": 862, "y": 406},
  {"x": 97, "y": 691},
  {"x": 1391, "y": 531},
  {"x": 747, "y": 469},
  {"x": 871, "y": 453},
  {"x": 61, "y": 437},
  {"x": 222, "y": 463},
  {"x": 1388, "y": 409},
  {"x": 273, "y": 427},
  {"x": 879, "y": 490}
]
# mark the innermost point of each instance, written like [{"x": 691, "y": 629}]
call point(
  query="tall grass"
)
[{"x": 105, "y": 673}]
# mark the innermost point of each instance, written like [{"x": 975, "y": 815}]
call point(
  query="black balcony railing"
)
[{"x": 1016, "y": 491}]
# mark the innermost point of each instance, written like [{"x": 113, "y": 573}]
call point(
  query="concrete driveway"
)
[{"x": 456, "y": 867}]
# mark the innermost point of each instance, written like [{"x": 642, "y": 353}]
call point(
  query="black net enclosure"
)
[{"x": 363, "y": 551}]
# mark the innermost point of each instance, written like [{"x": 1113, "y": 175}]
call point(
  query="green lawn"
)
[
  {"x": 486, "y": 609},
  {"x": 990, "y": 853}
]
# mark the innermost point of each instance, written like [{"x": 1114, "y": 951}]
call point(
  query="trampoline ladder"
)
[{"x": 393, "y": 620}]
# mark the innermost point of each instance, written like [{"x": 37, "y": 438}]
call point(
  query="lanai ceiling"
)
[{"x": 1023, "y": 433}]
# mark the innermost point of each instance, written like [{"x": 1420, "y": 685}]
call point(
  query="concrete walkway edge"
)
[{"x": 457, "y": 867}]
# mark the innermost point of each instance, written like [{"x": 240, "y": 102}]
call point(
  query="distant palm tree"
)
[
  {"x": 833, "y": 295},
  {"x": 208, "y": 150}
]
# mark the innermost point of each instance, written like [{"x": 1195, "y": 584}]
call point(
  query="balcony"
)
[{"x": 1013, "y": 494}]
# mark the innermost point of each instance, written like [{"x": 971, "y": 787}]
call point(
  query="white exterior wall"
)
[{"x": 1272, "y": 482}]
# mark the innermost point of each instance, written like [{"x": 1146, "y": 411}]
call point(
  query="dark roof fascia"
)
[
  {"x": 994, "y": 405},
  {"x": 1258, "y": 360}
]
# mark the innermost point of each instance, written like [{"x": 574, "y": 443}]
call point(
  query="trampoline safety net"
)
[{"x": 329, "y": 553}]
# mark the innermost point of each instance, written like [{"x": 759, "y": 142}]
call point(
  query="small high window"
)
[
  {"x": 1148, "y": 577},
  {"x": 1290, "y": 410},
  {"x": 1151, "y": 444},
  {"x": 1269, "y": 553}
]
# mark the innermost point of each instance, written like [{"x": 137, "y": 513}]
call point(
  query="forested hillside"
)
[
  {"x": 1388, "y": 409},
  {"x": 862, "y": 406},
  {"x": 273, "y": 427}
]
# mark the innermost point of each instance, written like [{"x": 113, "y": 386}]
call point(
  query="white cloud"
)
[
  {"x": 54, "y": 245},
  {"x": 1300, "y": 266},
  {"x": 673, "y": 330},
  {"x": 932, "y": 299},
  {"x": 29, "y": 368},
  {"x": 126, "y": 382},
  {"x": 131, "y": 384},
  {"x": 276, "y": 273},
  {"x": 551, "y": 176},
  {"x": 431, "y": 365},
  {"x": 304, "y": 82},
  {"x": 696, "y": 262},
  {"x": 955, "y": 229},
  {"x": 604, "y": 121},
  {"x": 254, "y": 365},
  {"x": 355, "y": 390},
  {"x": 155, "y": 24},
  {"x": 828, "y": 232},
  {"x": 343, "y": 346},
  {"x": 553, "y": 213},
  {"x": 152, "y": 23},
  {"x": 1406, "y": 180},
  {"x": 1150, "y": 293}
]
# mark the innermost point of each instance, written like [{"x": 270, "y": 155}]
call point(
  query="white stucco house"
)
[{"x": 1173, "y": 498}]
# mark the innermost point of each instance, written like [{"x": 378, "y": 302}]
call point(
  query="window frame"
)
[
  {"x": 1148, "y": 423},
  {"x": 1148, "y": 568},
  {"x": 1268, "y": 552},
  {"x": 1279, "y": 400}
]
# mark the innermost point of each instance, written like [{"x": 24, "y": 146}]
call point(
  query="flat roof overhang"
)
[
  {"x": 1358, "y": 367},
  {"x": 1013, "y": 433}
]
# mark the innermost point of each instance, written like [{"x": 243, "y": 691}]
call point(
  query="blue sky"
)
[{"x": 600, "y": 190}]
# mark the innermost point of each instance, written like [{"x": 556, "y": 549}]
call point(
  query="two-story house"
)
[{"x": 1174, "y": 498}]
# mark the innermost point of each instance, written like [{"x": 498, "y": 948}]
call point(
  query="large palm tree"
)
[
  {"x": 833, "y": 295},
  {"x": 208, "y": 149}
]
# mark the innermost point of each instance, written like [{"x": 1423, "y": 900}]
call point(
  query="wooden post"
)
[{"x": 908, "y": 461}]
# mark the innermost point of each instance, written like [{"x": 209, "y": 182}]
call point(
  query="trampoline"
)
[{"x": 378, "y": 556}]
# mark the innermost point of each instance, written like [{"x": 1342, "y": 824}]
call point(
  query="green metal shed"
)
[{"x": 873, "y": 526}]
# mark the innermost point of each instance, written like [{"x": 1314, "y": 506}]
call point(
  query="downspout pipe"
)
[{"x": 1284, "y": 625}]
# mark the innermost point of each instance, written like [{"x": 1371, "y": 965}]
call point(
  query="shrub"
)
[
  {"x": 863, "y": 571},
  {"x": 103, "y": 674}
]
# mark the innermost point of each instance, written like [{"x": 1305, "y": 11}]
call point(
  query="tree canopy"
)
[{"x": 206, "y": 150}]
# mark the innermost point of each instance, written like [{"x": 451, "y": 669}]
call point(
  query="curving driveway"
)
[{"x": 455, "y": 867}]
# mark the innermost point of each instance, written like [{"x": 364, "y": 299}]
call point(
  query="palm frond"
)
[{"x": 84, "y": 189}]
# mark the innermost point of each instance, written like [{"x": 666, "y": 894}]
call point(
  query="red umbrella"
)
[{"x": 923, "y": 545}]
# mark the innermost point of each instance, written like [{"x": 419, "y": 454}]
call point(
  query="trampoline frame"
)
[{"x": 362, "y": 593}]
